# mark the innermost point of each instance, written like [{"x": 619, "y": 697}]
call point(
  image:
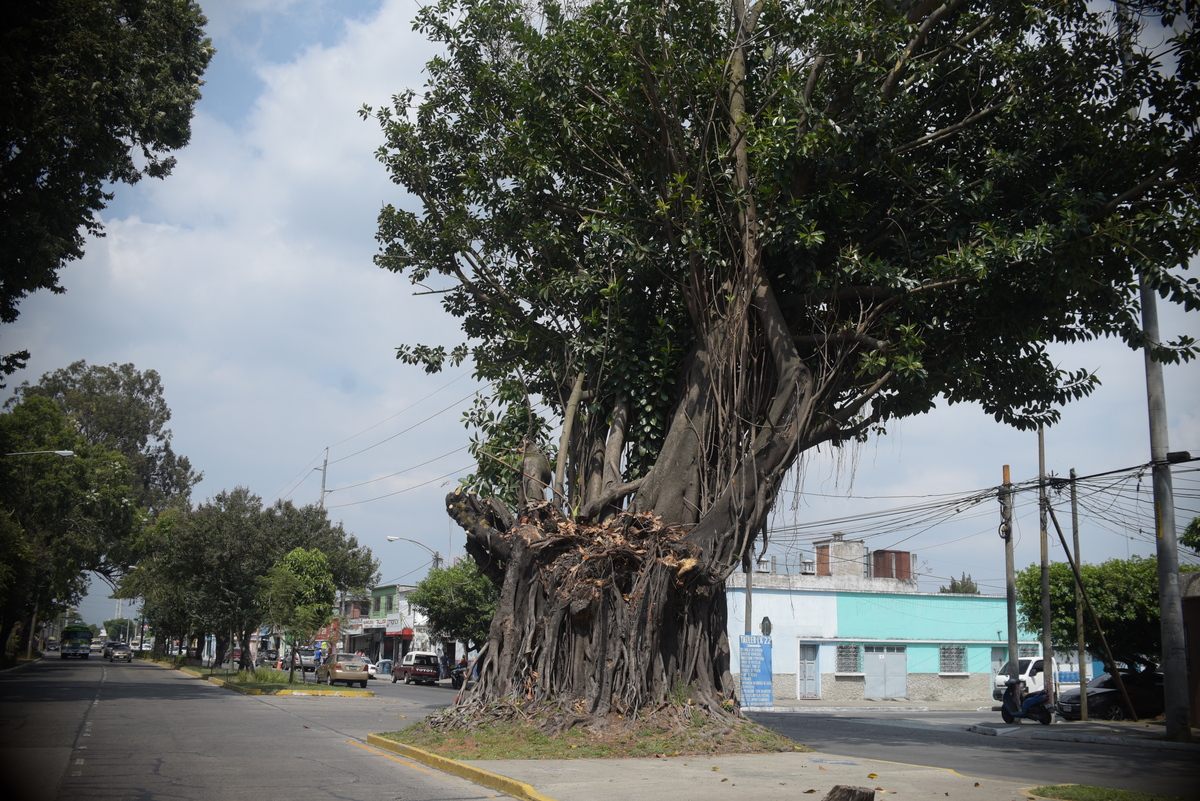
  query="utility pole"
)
[
  {"x": 1081, "y": 648},
  {"x": 1043, "y": 504},
  {"x": 1010, "y": 574},
  {"x": 324, "y": 468},
  {"x": 1174, "y": 666}
]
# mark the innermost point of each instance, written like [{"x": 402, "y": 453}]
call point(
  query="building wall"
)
[{"x": 826, "y": 611}]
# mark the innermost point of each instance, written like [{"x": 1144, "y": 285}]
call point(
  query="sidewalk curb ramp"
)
[{"x": 495, "y": 781}]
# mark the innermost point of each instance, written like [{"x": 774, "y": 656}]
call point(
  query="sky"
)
[{"x": 246, "y": 280}]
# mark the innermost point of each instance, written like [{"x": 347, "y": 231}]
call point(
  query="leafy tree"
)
[
  {"x": 297, "y": 596},
  {"x": 966, "y": 584},
  {"x": 703, "y": 240},
  {"x": 1124, "y": 595},
  {"x": 458, "y": 601},
  {"x": 203, "y": 566},
  {"x": 94, "y": 94},
  {"x": 123, "y": 409},
  {"x": 1191, "y": 535},
  {"x": 59, "y": 518},
  {"x": 119, "y": 628}
]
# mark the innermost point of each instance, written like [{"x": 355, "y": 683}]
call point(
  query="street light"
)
[
  {"x": 437, "y": 557},
  {"x": 34, "y": 453}
]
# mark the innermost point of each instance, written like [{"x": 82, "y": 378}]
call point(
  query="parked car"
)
[
  {"x": 1104, "y": 697},
  {"x": 119, "y": 652},
  {"x": 383, "y": 667},
  {"x": 346, "y": 668},
  {"x": 372, "y": 669},
  {"x": 419, "y": 666},
  {"x": 268, "y": 656},
  {"x": 304, "y": 659},
  {"x": 1029, "y": 671}
]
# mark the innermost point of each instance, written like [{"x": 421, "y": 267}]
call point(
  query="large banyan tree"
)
[{"x": 689, "y": 241}]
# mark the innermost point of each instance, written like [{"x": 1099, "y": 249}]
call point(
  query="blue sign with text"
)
[{"x": 755, "y": 670}]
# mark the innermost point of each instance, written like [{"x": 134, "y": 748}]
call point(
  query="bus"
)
[{"x": 76, "y": 641}]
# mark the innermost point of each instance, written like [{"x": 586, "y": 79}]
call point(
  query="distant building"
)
[{"x": 856, "y": 628}]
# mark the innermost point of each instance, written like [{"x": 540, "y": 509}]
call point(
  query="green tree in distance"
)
[
  {"x": 123, "y": 409},
  {"x": 61, "y": 517},
  {"x": 119, "y": 628},
  {"x": 966, "y": 584},
  {"x": 94, "y": 94},
  {"x": 704, "y": 239},
  {"x": 458, "y": 601},
  {"x": 296, "y": 596},
  {"x": 1191, "y": 535},
  {"x": 1124, "y": 595}
]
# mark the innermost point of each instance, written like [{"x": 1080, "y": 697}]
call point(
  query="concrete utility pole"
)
[
  {"x": 1043, "y": 504},
  {"x": 1174, "y": 666},
  {"x": 1081, "y": 648},
  {"x": 1010, "y": 574},
  {"x": 324, "y": 470}
]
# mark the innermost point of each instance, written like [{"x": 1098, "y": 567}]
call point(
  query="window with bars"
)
[
  {"x": 1028, "y": 650},
  {"x": 952, "y": 659},
  {"x": 849, "y": 658}
]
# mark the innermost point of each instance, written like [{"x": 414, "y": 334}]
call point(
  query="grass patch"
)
[
  {"x": 1083, "y": 792},
  {"x": 527, "y": 737}
]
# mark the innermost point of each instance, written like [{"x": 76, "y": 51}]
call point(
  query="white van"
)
[{"x": 1029, "y": 671}]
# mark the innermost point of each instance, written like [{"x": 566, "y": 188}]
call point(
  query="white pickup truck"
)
[{"x": 1030, "y": 672}]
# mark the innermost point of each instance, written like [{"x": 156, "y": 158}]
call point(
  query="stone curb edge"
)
[
  {"x": 1097, "y": 739},
  {"x": 776, "y": 709},
  {"x": 348, "y": 693},
  {"x": 19, "y": 668},
  {"x": 517, "y": 789}
]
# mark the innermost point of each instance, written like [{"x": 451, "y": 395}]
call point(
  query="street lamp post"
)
[
  {"x": 437, "y": 557},
  {"x": 34, "y": 453}
]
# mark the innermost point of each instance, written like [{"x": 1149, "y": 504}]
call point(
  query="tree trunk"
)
[{"x": 597, "y": 620}]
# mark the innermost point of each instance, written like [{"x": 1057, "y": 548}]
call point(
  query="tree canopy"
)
[
  {"x": 966, "y": 584},
  {"x": 297, "y": 596},
  {"x": 59, "y": 517},
  {"x": 689, "y": 242},
  {"x": 458, "y": 602},
  {"x": 123, "y": 409},
  {"x": 1124, "y": 595},
  {"x": 202, "y": 568},
  {"x": 94, "y": 94}
]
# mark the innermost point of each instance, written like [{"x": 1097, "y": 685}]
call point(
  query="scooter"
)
[{"x": 1034, "y": 705}]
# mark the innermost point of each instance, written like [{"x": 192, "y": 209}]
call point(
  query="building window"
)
[
  {"x": 376, "y": 603},
  {"x": 849, "y": 658},
  {"x": 952, "y": 659},
  {"x": 1028, "y": 650},
  {"x": 388, "y": 604}
]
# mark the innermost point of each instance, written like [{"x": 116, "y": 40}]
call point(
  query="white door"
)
[{"x": 808, "y": 683}]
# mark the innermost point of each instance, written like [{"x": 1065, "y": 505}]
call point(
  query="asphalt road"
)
[
  {"x": 93, "y": 730},
  {"x": 940, "y": 739}
]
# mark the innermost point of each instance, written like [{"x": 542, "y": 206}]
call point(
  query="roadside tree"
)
[
  {"x": 966, "y": 584},
  {"x": 94, "y": 94},
  {"x": 701, "y": 240},
  {"x": 459, "y": 602},
  {"x": 1124, "y": 595},
  {"x": 297, "y": 596}
]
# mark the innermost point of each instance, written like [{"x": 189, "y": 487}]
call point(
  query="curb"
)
[
  {"x": 1096, "y": 739},
  {"x": 495, "y": 781},
  {"x": 775, "y": 709},
  {"x": 19, "y": 668}
]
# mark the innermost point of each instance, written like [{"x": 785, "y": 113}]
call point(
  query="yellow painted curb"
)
[{"x": 495, "y": 781}]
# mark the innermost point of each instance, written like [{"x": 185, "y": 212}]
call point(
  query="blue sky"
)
[{"x": 245, "y": 279}]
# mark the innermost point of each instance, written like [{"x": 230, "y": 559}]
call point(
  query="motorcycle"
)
[
  {"x": 458, "y": 677},
  {"x": 1015, "y": 705}
]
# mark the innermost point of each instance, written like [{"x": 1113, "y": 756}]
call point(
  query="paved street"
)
[
  {"x": 90, "y": 730},
  {"x": 940, "y": 739}
]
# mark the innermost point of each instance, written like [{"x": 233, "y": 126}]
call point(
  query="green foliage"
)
[
  {"x": 1191, "y": 536},
  {"x": 929, "y": 217},
  {"x": 94, "y": 94},
  {"x": 59, "y": 517},
  {"x": 297, "y": 594},
  {"x": 204, "y": 567},
  {"x": 119, "y": 628},
  {"x": 123, "y": 409},
  {"x": 1124, "y": 595},
  {"x": 966, "y": 584},
  {"x": 458, "y": 601}
]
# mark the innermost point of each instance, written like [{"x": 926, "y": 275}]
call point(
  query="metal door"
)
[
  {"x": 807, "y": 677},
  {"x": 885, "y": 671}
]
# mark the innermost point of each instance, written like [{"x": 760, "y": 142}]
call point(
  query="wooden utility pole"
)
[
  {"x": 1082, "y": 649},
  {"x": 1010, "y": 574}
]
